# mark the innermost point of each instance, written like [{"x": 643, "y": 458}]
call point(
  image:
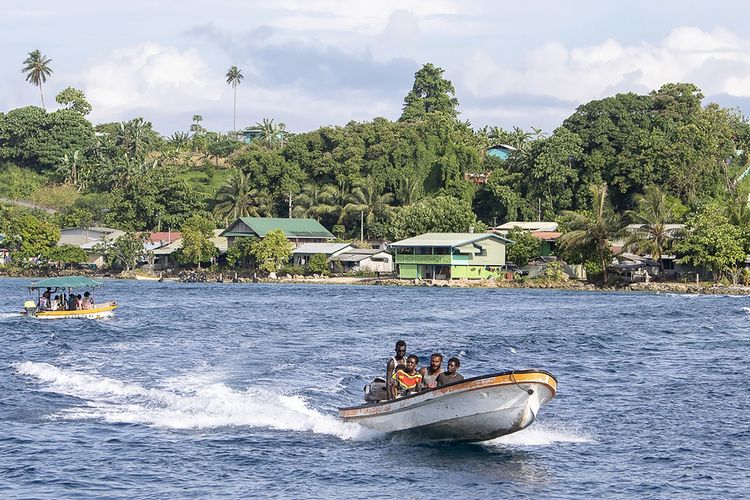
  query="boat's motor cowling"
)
[
  {"x": 376, "y": 391},
  {"x": 29, "y": 306}
]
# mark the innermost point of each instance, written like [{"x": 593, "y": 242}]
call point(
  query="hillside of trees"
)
[{"x": 401, "y": 177}]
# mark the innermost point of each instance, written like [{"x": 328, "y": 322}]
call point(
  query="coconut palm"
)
[
  {"x": 310, "y": 202},
  {"x": 594, "y": 230},
  {"x": 132, "y": 137},
  {"x": 653, "y": 213},
  {"x": 234, "y": 78},
  {"x": 334, "y": 197},
  {"x": 237, "y": 198},
  {"x": 37, "y": 69},
  {"x": 408, "y": 191},
  {"x": 271, "y": 134},
  {"x": 368, "y": 199}
]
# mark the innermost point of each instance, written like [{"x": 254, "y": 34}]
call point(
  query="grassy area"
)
[{"x": 206, "y": 179}]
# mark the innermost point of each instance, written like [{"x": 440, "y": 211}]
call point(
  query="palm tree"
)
[
  {"x": 368, "y": 199},
  {"x": 271, "y": 134},
  {"x": 37, "y": 69},
  {"x": 408, "y": 191},
  {"x": 237, "y": 198},
  {"x": 594, "y": 230},
  {"x": 334, "y": 197},
  {"x": 310, "y": 202},
  {"x": 234, "y": 78},
  {"x": 654, "y": 212},
  {"x": 132, "y": 136}
]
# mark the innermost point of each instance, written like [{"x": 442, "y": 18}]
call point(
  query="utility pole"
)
[
  {"x": 362, "y": 225},
  {"x": 539, "y": 217},
  {"x": 290, "y": 204}
]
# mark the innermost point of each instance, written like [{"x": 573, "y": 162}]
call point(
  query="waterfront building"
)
[
  {"x": 298, "y": 231},
  {"x": 303, "y": 253},
  {"x": 451, "y": 255}
]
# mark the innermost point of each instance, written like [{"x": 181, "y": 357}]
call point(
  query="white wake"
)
[
  {"x": 539, "y": 434},
  {"x": 186, "y": 403}
]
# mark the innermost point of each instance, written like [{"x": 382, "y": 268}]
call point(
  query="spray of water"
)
[
  {"x": 189, "y": 403},
  {"x": 540, "y": 434}
]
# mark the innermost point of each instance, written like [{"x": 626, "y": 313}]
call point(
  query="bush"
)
[
  {"x": 318, "y": 264},
  {"x": 553, "y": 272},
  {"x": 291, "y": 270}
]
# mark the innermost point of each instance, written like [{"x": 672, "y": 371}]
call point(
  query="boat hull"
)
[
  {"x": 101, "y": 311},
  {"x": 477, "y": 409}
]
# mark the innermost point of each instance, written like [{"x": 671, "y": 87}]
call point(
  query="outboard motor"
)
[
  {"x": 30, "y": 307},
  {"x": 376, "y": 390}
]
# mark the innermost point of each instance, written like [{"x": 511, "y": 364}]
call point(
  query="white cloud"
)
[
  {"x": 149, "y": 76},
  {"x": 718, "y": 61}
]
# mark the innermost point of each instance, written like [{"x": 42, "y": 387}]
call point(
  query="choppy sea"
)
[{"x": 218, "y": 390}]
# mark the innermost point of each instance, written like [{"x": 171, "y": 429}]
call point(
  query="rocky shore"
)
[{"x": 232, "y": 277}]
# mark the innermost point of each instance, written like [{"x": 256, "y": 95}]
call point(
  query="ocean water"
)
[{"x": 197, "y": 390}]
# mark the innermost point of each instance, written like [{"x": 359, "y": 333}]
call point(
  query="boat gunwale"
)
[
  {"x": 455, "y": 388},
  {"x": 111, "y": 306}
]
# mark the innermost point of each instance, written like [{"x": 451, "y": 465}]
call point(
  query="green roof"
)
[
  {"x": 447, "y": 239},
  {"x": 292, "y": 228},
  {"x": 66, "y": 282}
]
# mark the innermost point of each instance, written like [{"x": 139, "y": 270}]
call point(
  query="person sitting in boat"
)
[
  {"x": 44, "y": 301},
  {"x": 407, "y": 380},
  {"x": 451, "y": 375},
  {"x": 54, "y": 304},
  {"x": 399, "y": 360},
  {"x": 88, "y": 301},
  {"x": 431, "y": 373}
]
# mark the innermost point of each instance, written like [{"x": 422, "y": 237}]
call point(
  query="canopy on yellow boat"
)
[{"x": 66, "y": 282}]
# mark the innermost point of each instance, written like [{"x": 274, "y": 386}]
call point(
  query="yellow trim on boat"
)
[{"x": 77, "y": 312}]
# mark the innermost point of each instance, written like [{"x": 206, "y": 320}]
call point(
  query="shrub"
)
[{"x": 318, "y": 264}]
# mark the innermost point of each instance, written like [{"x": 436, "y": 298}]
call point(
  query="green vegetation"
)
[
  {"x": 272, "y": 252},
  {"x": 653, "y": 159},
  {"x": 524, "y": 248}
]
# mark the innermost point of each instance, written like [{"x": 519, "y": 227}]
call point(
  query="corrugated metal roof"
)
[
  {"x": 292, "y": 228},
  {"x": 528, "y": 226},
  {"x": 446, "y": 239},
  {"x": 324, "y": 248}
]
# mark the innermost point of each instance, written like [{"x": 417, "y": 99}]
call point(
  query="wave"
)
[
  {"x": 9, "y": 315},
  {"x": 542, "y": 435},
  {"x": 188, "y": 403}
]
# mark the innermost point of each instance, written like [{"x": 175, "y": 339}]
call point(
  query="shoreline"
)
[{"x": 708, "y": 288}]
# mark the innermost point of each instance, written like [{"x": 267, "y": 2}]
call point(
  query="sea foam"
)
[
  {"x": 192, "y": 402},
  {"x": 542, "y": 434}
]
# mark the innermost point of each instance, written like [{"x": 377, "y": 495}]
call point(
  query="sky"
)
[{"x": 324, "y": 62}]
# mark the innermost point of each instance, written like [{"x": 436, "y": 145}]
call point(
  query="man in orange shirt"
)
[{"x": 407, "y": 380}]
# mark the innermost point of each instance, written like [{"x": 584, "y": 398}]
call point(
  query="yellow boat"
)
[{"x": 37, "y": 309}]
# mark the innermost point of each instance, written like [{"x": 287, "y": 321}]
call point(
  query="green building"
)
[
  {"x": 450, "y": 255},
  {"x": 298, "y": 231}
]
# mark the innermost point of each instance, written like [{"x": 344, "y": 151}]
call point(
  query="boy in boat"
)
[
  {"x": 451, "y": 375},
  {"x": 390, "y": 368},
  {"x": 407, "y": 380},
  {"x": 430, "y": 374}
]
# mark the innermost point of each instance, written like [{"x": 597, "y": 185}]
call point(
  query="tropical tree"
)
[
  {"x": 430, "y": 94},
  {"x": 273, "y": 251},
  {"x": 234, "y": 78},
  {"x": 309, "y": 203},
  {"x": 122, "y": 252},
  {"x": 442, "y": 214},
  {"x": 74, "y": 100},
  {"x": 524, "y": 248},
  {"x": 368, "y": 199},
  {"x": 234, "y": 197},
  {"x": 37, "y": 69},
  {"x": 655, "y": 210},
  {"x": 67, "y": 254},
  {"x": 237, "y": 198},
  {"x": 270, "y": 134},
  {"x": 197, "y": 246},
  {"x": 711, "y": 241},
  {"x": 593, "y": 230}
]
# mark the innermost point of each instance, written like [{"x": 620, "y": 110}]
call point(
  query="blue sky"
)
[{"x": 326, "y": 62}]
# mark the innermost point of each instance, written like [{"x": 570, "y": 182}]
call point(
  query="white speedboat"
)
[
  {"x": 36, "y": 310},
  {"x": 477, "y": 409}
]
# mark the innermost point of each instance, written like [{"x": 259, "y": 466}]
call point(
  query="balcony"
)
[{"x": 444, "y": 259}]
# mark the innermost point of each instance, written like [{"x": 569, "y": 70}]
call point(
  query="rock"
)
[{"x": 272, "y": 276}]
